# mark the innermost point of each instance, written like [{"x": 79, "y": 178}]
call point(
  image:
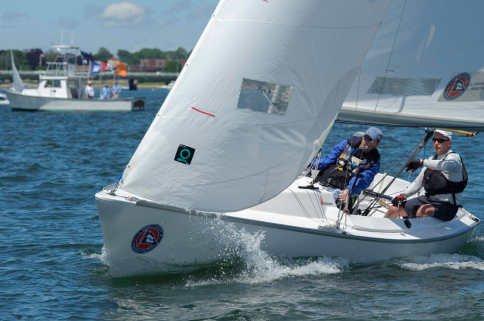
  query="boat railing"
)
[{"x": 59, "y": 69}]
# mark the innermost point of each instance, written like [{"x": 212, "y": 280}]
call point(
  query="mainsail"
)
[
  {"x": 425, "y": 68},
  {"x": 254, "y": 102},
  {"x": 18, "y": 85}
]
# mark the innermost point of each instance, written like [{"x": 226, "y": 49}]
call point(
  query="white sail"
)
[
  {"x": 254, "y": 102},
  {"x": 18, "y": 85},
  {"x": 425, "y": 68}
]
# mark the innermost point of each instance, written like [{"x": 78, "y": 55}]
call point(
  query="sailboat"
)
[
  {"x": 60, "y": 89},
  {"x": 423, "y": 70},
  {"x": 225, "y": 156}
]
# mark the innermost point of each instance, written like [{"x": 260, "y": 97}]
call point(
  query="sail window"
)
[
  {"x": 404, "y": 86},
  {"x": 264, "y": 97}
]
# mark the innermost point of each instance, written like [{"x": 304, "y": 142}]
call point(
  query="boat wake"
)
[{"x": 449, "y": 261}]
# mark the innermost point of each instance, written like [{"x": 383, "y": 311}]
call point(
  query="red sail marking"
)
[{"x": 202, "y": 111}]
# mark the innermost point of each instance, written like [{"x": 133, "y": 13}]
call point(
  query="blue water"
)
[{"x": 52, "y": 265}]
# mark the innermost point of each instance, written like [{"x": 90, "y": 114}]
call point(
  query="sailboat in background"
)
[
  {"x": 225, "y": 156},
  {"x": 60, "y": 89},
  {"x": 423, "y": 69}
]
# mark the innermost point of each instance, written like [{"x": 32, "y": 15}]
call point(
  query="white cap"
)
[{"x": 444, "y": 133}]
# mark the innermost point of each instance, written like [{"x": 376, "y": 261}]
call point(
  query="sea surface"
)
[{"x": 52, "y": 265}]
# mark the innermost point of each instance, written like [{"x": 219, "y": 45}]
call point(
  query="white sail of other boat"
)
[
  {"x": 425, "y": 68},
  {"x": 254, "y": 102},
  {"x": 18, "y": 85}
]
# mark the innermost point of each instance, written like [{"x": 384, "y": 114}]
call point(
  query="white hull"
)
[
  {"x": 37, "y": 103},
  {"x": 294, "y": 224},
  {"x": 4, "y": 100}
]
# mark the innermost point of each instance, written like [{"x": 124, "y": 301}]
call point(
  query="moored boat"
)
[{"x": 60, "y": 89}]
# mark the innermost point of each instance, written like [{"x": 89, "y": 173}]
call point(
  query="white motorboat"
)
[
  {"x": 4, "y": 99},
  {"x": 60, "y": 89},
  {"x": 223, "y": 158}
]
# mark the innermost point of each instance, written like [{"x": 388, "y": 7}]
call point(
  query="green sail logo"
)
[{"x": 184, "y": 154}]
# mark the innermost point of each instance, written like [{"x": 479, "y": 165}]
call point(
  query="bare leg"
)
[
  {"x": 393, "y": 212},
  {"x": 426, "y": 210}
]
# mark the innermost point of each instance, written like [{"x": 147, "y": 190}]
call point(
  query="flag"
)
[
  {"x": 95, "y": 68},
  {"x": 107, "y": 67},
  {"x": 121, "y": 69},
  {"x": 87, "y": 56}
]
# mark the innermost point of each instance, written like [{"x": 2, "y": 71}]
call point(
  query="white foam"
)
[
  {"x": 450, "y": 261},
  {"x": 478, "y": 238},
  {"x": 260, "y": 267},
  {"x": 96, "y": 256}
]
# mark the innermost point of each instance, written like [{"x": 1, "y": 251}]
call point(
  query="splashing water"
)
[{"x": 245, "y": 247}]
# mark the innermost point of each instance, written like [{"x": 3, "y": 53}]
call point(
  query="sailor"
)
[
  {"x": 105, "y": 92},
  {"x": 116, "y": 90},
  {"x": 351, "y": 165},
  {"x": 443, "y": 178},
  {"x": 89, "y": 91}
]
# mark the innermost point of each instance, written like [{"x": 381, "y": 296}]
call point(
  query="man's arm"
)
[
  {"x": 332, "y": 156},
  {"x": 365, "y": 181}
]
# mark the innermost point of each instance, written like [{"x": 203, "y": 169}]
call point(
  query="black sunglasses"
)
[
  {"x": 440, "y": 140},
  {"x": 369, "y": 139}
]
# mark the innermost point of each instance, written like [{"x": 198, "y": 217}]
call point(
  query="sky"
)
[{"x": 129, "y": 25}]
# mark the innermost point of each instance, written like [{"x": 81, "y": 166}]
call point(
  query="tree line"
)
[{"x": 36, "y": 59}]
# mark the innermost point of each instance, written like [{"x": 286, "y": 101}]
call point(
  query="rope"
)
[{"x": 391, "y": 54}]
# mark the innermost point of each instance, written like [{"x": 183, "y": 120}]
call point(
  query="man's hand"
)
[
  {"x": 399, "y": 200},
  {"x": 414, "y": 165},
  {"x": 343, "y": 197}
]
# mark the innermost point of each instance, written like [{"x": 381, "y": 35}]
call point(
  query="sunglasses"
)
[
  {"x": 440, "y": 140},
  {"x": 368, "y": 139}
]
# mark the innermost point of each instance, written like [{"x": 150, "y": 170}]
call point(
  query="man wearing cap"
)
[
  {"x": 105, "y": 92},
  {"x": 351, "y": 165},
  {"x": 89, "y": 91},
  {"x": 443, "y": 178}
]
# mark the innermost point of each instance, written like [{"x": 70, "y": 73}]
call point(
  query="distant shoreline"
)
[{"x": 95, "y": 83}]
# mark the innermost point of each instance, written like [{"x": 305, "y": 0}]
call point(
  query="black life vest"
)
[
  {"x": 436, "y": 183},
  {"x": 335, "y": 177}
]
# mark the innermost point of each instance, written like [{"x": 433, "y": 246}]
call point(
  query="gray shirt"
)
[{"x": 451, "y": 168}]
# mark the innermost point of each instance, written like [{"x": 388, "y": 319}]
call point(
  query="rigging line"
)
[
  {"x": 390, "y": 58},
  {"x": 270, "y": 102},
  {"x": 412, "y": 156},
  {"x": 357, "y": 98},
  {"x": 306, "y": 213},
  {"x": 321, "y": 208},
  {"x": 300, "y": 204},
  {"x": 323, "y": 216}
]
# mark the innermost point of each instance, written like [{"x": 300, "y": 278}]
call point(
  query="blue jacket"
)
[{"x": 368, "y": 172}]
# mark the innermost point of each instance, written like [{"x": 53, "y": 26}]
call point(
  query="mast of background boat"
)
[{"x": 421, "y": 145}]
